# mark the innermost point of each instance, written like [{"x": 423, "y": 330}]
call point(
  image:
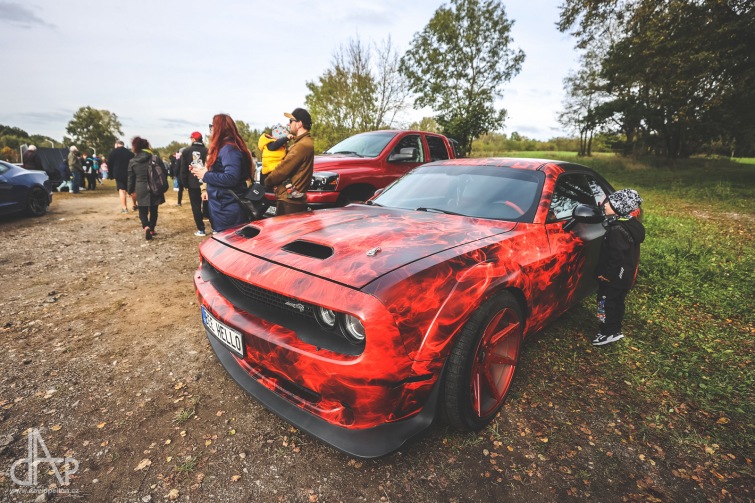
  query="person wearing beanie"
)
[
  {"x": 618, "y": 262},
  {"x": 291, "y": 179}
]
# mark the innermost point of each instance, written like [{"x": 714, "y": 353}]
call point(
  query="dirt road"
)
[{"x": 105, "y": 360}]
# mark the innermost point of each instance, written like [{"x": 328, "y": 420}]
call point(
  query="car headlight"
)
[
  {"x": 324, "y": 181},
  {"x": 326, "y": 318},
  {"x": 352, "y": 328}
]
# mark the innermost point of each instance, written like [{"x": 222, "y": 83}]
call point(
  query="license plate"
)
[{"x": 230, "y": 338}]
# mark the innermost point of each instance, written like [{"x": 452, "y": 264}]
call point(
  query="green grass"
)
[{"x": 690, "y": 318}]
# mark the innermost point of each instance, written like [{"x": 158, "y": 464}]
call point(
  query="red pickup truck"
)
[{"x": 355, "y": 168}]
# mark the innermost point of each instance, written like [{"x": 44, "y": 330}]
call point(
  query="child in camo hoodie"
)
[{"x": 618, "y": 263}]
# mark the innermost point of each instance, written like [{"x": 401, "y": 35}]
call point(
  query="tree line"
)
[{"x": 671, "y": 78}]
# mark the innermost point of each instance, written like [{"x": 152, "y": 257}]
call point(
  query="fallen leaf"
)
[
  {"x": 144, "y": 463},
  {"x": 167, "y": 442},
  {"x": 235, "y": 478},
  {"x": 101, "y": 425},
  {"x": 723, "y": 420},
  {"x": 173, "y": 494},
  {"x": 57, "y": 427}
]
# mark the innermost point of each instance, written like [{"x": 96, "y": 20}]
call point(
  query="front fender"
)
[{"x": 432, "y": 305}]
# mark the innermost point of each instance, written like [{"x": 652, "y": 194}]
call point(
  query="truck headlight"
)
[{"x": 324, "y": 181}]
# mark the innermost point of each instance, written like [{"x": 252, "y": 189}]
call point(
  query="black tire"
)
[
  {"x": 482, "y": 363},
  {"x": 36, "y": 204}
]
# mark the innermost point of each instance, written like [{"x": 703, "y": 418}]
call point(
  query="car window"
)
[
  {"x": 437, "y": 148},
  {"x": 3, "y": 167},
  {"x": 597, "y": 190},
  {"x": 571, "y": 190},
  {"x": 475, "y": 191},
  {"x": 411, "y": 141},
  {"x": 363, "y": 145}
]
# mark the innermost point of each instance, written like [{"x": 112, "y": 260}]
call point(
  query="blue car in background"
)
[{"x": 24, "y": 190}]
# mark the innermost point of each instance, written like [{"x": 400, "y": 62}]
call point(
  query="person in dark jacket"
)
[
  {"x": 194, "y": 153},
  {"x": 31, "y": 159},
  {"x": 74, "y": 164},
  {"x": 230, "y": 165},
  {"x": 117, "y": 163},
  {"x": 138, "y": 175},
  {"x": 618, "y": 262}
]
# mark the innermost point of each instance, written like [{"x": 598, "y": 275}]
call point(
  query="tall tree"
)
[
  {"x": 681, "y": 73},
  {"x": 584, "y": 95},
  {"x": 458, "y": 64},
  {"x": 91, "y": 128},
  {"x": 361, "y": 91}
]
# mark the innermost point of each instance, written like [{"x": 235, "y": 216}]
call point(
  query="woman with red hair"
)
[{"x": 230, "y": 166}]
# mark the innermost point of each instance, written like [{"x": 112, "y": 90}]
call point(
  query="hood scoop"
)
[
  {"x": 248, "y": 232},
  {"x": 309, "y": 249}
]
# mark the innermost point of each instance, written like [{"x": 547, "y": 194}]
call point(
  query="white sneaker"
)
[
  {"x": 200, "y": 233},
  {"x": 606, "y": 339}
]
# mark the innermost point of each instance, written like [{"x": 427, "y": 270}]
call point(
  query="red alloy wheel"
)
[{"x": 494, "y": 362}]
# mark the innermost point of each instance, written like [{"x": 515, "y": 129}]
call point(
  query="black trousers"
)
[
  {"x": 195, "y": 197},
  {"x": 180, "y": 193},
  {"x": 148, "y": 216},
  {"x": 611, "y": 307},
  {"x": 91, "y": 181}
]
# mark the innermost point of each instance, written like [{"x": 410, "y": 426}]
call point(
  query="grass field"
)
[{"x": 687, "y": 361}]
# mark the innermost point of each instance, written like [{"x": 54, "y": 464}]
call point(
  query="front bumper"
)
[
  {"x": 365, "y": 443},
  {"x": 366, "y": 401}
]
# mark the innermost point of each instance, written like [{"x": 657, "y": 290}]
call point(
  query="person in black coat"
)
[
  {"x": 196, "y": 150},
  {"x": 138, "y": 175},
  {"x": 618, "y": 262},
  {"x": 117, "y": 163},
  {"x": 31, "y": 159}
]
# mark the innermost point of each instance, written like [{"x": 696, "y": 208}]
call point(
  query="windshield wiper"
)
[
  {"x": 346, "y": 152},
  {"x": 438, "y": 210},
  {"x": 372, "y": 203}
]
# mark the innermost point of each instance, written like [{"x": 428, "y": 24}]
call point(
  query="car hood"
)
[
  {"x": 357, "y": 244},
  {"x": 326, "y": 162}
]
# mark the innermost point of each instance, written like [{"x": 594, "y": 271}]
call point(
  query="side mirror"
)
[
  {"x": 584, "y": 214},
  {"x": 405, "y": 154}
]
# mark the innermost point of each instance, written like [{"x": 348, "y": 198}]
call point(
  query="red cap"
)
[{"x": 196, "y": 135}]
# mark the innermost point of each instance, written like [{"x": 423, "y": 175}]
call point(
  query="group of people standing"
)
[{"x": 215, "y": 175}]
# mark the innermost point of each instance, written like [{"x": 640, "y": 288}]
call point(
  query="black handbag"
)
[{"x": 253, "y": 201}]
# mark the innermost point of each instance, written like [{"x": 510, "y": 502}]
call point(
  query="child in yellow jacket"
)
[{"x": 273, "y": 148}]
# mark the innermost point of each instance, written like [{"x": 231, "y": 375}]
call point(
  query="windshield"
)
[
  {"x": 363, "y": 145},
  {"x": 475, "y": 191}
]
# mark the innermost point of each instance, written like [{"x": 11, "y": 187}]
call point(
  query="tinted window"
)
[
  {"x": 437, "y": 148},
  {"x": 571, "y": 190}
]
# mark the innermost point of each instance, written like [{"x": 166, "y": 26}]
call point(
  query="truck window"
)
[
  {"x": 437, "y": 147},
  {"x": 411, "y": 141}
]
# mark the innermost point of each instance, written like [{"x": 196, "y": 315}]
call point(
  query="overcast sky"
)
[{"x": 165, "y": 67}]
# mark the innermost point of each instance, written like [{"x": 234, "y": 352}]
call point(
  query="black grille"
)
[{"x": 257, "y": 294}]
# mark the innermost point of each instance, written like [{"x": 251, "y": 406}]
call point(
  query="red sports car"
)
[{"x": 361, "y": 324}]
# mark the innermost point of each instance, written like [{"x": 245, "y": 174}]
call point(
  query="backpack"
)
[{"x": 157, "y": 177}]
